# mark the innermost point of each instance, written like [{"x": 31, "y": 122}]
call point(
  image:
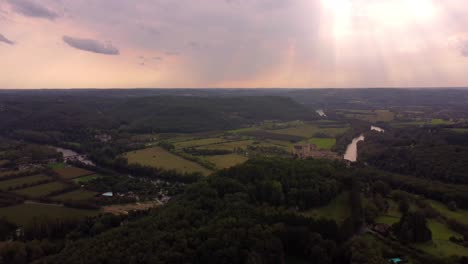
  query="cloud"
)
[
  {"x": 7, "y": 41},
  {"x": 32, "y": 9},
  {"x": 91, "y": 45},
  {"x": 172, "y": 53},
  {"x": 464, "y": 49}
]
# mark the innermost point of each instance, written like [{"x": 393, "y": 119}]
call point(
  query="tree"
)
[
  {"x": 452, "y": 206},
  {"x": 412, "y": 228}
]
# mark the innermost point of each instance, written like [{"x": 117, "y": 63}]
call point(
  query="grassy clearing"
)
[
  {"x": 78, "y": 195},
  {"x": 323, "y": 143},
  {"x": 41, "y": 190},
  {"x": 160, "y": 158},
  {"x": 440, "y": 244},
  {"x": 24, "y": 214},
  {"x": 308, "y": 131},
  {"x": 72, "y": 172},
  {"x": 459, "y": 215},
  {"x": 18, "y": 182},
  {"x": 338, "y": 209},
  {"x": 438, "y": 121},
  {"x": 198, "y": 142},
  {"x": 460, "y": 130},
  {"x": 86, "y": 179},
  {"x": 392, "y": 216},
  {"x": 226, "y": 161}
]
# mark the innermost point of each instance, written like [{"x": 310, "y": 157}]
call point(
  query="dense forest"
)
[
  {"x": 145, "y": 114},
  {"x": 433, "y": 153}
]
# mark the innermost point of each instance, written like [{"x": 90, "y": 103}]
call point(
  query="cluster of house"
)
[
  {"x": 103, "y": 137},
  {"x": 305, "y": 151}
]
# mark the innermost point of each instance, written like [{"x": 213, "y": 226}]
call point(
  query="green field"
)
[
  {"x": 57, "y": 165},
  {"x": 368, "y": 115},
  {"x": 72, "y": 172},
  {"x": 78, "y": 195},
  {"x": 24, "y": 214},
  {"x": 226, "y": 161},
  {"x": 17, "y": 182},
  {"x": 232, "y": 145},
  {"x": 338, "y": 209},
  {"x": 433, "y": 122},
  {"x": 86, "y": 179},
  {"x": 323, "y": 143},
  {"x": 438, "y": 121},
  {"x": 198, "y": 142},
  {"x": 460, "y": 215},
  {"x": 160, "y": 158},
  {"x": 440, "y": 244},
  {"x": 41, "y": 190},
  {"x": 460, "y": 130},
  {"x": 392, "y": 216},
  {"x": 308, "y": 131}
]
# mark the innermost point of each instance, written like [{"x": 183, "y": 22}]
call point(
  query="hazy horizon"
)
[{"x": 302, "y": 44}]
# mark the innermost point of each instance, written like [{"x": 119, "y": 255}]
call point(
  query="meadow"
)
[
  {"x": 310, "y": 130},
  {"x": 226, "y": 161},
  {"x": 198, "y": 142},
  {"x": 85, "y": 179},
  {"x": 440, "y": 244},
  {"x": 338, "y": 209},
  {"x": 160, "y": 158},
  {"x": 392, "y": 215},
  {"x": 323, "y": 143},
  {"x": 368, "y": 115},
  {"x": 24, "y": 214},
  {"x": 460, "y": 215}
]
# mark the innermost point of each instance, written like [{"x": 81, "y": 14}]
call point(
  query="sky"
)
[{"x": 233, "y": 43}]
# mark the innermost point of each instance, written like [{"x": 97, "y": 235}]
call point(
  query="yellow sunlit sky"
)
[{"x": 233, "y": 43}]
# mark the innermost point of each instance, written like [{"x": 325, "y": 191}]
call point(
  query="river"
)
[
  {"x": 351, "y": 150},
  {"x": 351, "y": 153},
  {"x": 321, "y": 113}
]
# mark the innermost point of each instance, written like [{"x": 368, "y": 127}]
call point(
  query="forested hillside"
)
[{"x": 144, "y": 114}]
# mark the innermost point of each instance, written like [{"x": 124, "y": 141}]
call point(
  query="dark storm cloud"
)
[
  {"x": 5, "y": 40},
  {"x": 91, "y": 45},
  {"x": 32, "y": 9}
]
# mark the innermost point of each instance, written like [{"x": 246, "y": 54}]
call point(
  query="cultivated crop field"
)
[
  {"x": 41, "y": 190},
  {"x": 18, "y": 182},
  {"x": 24, "y": 214},
  {"x": 78, "y": 195},
  {"x": 160, "y": 158},
  {"x": 72, "y": 172}
]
